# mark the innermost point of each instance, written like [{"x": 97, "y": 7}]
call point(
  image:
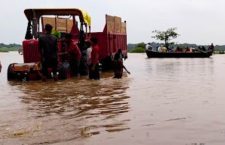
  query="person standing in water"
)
[
  {"x": 48, "y": 51},
  {"x": 94, "y": 65},
  {"x": 118, "y": 65},
  {"x": 74, "y": 55}
]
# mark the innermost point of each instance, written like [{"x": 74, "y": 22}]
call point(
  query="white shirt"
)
[{"x": 89, "y": 55}]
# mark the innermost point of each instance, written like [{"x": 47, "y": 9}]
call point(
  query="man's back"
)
[
  {"x": 48, "y": 46},
  {"x": 95, "y": 54},
  {"x": 74, "y": 50}
]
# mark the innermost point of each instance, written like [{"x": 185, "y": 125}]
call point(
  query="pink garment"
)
[
  {"x": 95, "y": 54},
  {"x": 74, "y": 49}
]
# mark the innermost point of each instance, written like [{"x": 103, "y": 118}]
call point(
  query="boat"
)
[{"x": 195, "y": 54}]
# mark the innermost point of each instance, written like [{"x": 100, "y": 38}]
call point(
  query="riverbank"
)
[{"x": 8, "y": 49}]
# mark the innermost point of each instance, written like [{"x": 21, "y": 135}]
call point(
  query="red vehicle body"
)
[{"x": 75, "y": 22}]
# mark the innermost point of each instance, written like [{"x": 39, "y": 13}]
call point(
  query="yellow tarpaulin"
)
[{"x": 87, "y": 17}]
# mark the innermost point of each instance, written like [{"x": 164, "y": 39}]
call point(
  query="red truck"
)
[{"x": 75, "y": 22}]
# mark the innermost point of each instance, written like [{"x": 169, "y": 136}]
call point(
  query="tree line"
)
[{"x": 9, "y": 47}]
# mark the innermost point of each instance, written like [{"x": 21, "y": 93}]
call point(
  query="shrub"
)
[{"x": 138, "y": 50}]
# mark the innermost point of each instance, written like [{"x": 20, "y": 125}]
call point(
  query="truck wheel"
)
[{"x": 11, "y": 75}]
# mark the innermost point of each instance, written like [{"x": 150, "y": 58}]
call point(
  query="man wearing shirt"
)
[
  {"x": 48, "y": 49},
  {"x": 94, "y": 66},
  {"x": 75, "y": 55}
]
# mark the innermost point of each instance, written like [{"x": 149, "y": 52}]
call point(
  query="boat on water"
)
[
  {"x": 197, "y": 53},
  {"x": 155, "y": 54}
]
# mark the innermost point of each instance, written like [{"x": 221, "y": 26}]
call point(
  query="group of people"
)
[
  {"x": 179, "y": 49},
  {"x": 78, "y": 56}
]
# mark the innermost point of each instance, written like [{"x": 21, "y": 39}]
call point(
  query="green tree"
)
[
  {"x": 138, "y": 48},
  {"x": 166, "y": 36},
  {"x": 142, "y": 45}
]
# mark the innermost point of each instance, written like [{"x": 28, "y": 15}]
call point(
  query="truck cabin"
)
[{"x": 74, "y": 22}]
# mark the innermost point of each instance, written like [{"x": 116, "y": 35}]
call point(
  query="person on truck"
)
[
  {"x": 94, "y": 66},
  {"x": 48, "y": 51}
]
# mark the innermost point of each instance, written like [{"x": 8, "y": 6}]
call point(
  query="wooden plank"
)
[
  {"x": 59, "y": 24},
  {"x": 110, "y": 23},
  {"x": 115, "y": 25}
]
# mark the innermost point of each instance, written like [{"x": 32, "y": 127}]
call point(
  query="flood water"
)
[{"x": 162, "y": 102}]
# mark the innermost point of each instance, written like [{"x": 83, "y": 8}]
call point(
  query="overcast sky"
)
[{"x": 197, "y": 21}]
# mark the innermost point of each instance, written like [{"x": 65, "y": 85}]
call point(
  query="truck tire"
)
[{"x": 11, "y": 75}]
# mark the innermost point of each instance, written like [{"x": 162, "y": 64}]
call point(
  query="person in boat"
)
[
  {"x": 48, "y": 52},
  {"x": 74, "y": 54},
  {"x": 178, "y": 49},
  {"x": 162, "y": 49},
  {"x": 159, "y": 49},
  {"x": 199, "y": 48},
  {"x": 148, "y": 46},
  {"x": 155, "y": 49},
  {"x": 170, "y": 49},
  {"x": 211, "y": 47},
  {"x": 202, "y": 48},
  {"x": 118, "y": 65},
  {"x": 188, "y": 50},
  {"x": 94, "y": 66}
]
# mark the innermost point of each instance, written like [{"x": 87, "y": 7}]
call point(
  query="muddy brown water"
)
[{"x": 162, "y": 102}]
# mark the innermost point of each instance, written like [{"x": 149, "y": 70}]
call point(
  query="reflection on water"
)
[
  {"x": 162, "y": 102},
  {"x": 61, "y": 111},
  {"x": 77, "y": 98},
  {"x": 76, "y": 108}
]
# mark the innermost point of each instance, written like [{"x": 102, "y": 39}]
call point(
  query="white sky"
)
[{"x": 197, "y": 21}]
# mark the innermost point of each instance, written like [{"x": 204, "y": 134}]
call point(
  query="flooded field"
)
[{"x": 162, "y": 102}]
